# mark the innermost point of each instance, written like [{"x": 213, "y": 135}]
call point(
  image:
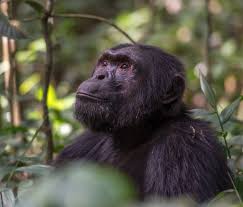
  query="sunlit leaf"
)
[
  {"x": 229, "y": 110},
  {"x": 25, "y": 56},
  {"x": 29, "y": 83},
  {"x": 52, "y": 100},
  {"x": 40, "y": 170},
  {"x": 51, "y": 95},
  {"x": 9, "y": 30},
  {"x": 207, "y": 90},
  {"x": 31, "y": 54},
  {"x": 38, "y": 45},
  {"x": 138, "y": 18}
]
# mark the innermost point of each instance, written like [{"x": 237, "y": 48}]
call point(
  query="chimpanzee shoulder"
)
[{"x": 186, "y": 159}]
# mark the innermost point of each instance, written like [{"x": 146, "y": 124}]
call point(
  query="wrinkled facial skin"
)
[
  {"x": 130, "y": 84},
  {"x": 100, "y": 98}
]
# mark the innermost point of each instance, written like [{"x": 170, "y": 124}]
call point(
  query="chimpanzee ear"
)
[{"x": 175, "y": 91}]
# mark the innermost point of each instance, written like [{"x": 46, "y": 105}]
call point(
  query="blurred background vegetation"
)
[{"x": 205, "y": 34}]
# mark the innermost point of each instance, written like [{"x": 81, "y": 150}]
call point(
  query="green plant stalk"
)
[
  {"x": 236, "y": 191},
  {"x": 25, "y": 151},
  {"x": 224, "y": 135}
]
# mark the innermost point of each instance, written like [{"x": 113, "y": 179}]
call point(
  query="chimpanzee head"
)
[{"x": 130, "y": 85}]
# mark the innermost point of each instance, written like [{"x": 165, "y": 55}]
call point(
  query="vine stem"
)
[
  {"x": 236, "y": 191},
  {"x": 47, "y": 32},
  {"x": 25, "y": 151},
  {"x": 223, "y": 134},
  {"x": 94, "y": 17},
  {"x": 228, "y": 154}
]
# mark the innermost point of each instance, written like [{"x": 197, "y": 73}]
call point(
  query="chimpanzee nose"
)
[{"x": 101, "y": 75}]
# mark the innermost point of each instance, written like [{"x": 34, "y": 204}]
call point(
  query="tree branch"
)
[
  {"x": 98, "y": 18},
  {"x": 84, "y": 16},
  {"x": 29, "y": 19},
  {"x": 47, "y": 31},
  {"x": 10, "y": 76},
  {"x": 11, "y": 174},
  {"x": 208, "y": 41}
]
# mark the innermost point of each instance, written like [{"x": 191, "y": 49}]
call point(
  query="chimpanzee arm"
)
[{"x": 84, "y": 147}]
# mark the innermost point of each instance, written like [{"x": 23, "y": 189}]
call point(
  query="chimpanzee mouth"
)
[{"x": 89, "y": 96}]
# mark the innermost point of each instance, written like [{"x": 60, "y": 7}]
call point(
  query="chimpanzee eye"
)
[
  {"x": 124, "y": 66},
  {"x": 104, "y": 62}
]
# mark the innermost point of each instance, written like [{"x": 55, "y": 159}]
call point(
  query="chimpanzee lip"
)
[{"x": 89, "y": 96}]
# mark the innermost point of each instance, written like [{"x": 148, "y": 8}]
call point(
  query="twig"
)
[
  {"x": 47, "y": 30},
  {"x": 208, "y": 40},
  {"x": 23, "y": 154},
  {"x": 94, "y": 17},
  {"x": 10, "y": 76},
  {"x": 224, "y": 135},
  {"x": 235, "y": 189},
  {"x": 30, "y": 19},
  {"x": 84, "y": 16}
]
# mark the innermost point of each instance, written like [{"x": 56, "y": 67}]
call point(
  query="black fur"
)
[{"x": 141, "y": 127}]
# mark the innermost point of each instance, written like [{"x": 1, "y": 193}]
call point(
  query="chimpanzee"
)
[{"x": 137, "y": 122}]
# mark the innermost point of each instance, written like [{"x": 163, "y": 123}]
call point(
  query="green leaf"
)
[
  {"x": 81, "y": 184},
  {"x": 29, "y": 83},
  {"x": 229, "y": 110},
  {"x": 13, "y": 130},
  {"x": 39, "y": 170},
  {"x": 38, "y": 7},
  {"x": 8, "y": 199},
  {"x": 199, "y": 113},
  {"x": 207, "y": 90},
  {"x": 219, "y": 197},
  {"x": 9, "y": 30}
]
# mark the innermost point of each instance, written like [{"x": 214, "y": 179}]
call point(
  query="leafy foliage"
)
[
  {"x": 81, "y": 186},
  {"x": 208, "y": 91},
  {"x": 229, "y": 110}
]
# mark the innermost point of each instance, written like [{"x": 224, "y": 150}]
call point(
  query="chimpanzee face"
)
[{"x": 123, "y": 88}]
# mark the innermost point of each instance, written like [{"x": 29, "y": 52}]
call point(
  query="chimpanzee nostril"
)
[{"x": 100, "y": 77}]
